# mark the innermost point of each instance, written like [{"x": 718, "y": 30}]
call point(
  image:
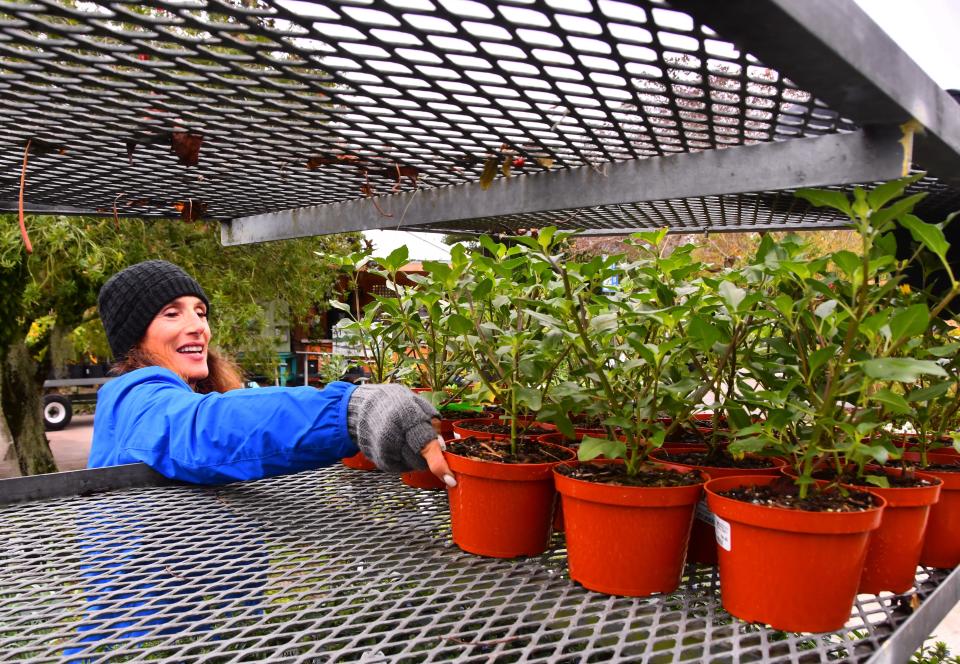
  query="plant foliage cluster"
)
[{"x": 817, "y": 356}]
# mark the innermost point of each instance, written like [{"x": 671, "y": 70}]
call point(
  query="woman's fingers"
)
[{"x": 433, "y": 453}]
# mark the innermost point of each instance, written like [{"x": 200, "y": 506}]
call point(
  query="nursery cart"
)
[{"x": 336, "y": 565}]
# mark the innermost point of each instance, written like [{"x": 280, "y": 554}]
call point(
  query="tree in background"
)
[{"x": 47, "y": 295}]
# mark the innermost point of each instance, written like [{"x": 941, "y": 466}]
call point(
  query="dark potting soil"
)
[
  {"x": 943, "y": 467},
  {"x": 504, "y": 428},
  {"x": 718, "y": 459},
  {"x": 782, "y": 492},
  {"x": 528, "y": 451},
  {"x": 939, "y": 467},
  {"x": 905, "y": 480},
  {"x": 616, "y": 473}
]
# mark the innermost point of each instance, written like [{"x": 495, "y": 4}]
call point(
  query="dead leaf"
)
[
  {"x": 546, "y": 162},
  {"x": 489, "y": 172},
  {"x": 187, "y": 147},
  {"x": 914, "y": 601},
  {"x": 505, "y": 168},
  {"x": 190, "y": 210},
  {"x": 313, "y": 163}
]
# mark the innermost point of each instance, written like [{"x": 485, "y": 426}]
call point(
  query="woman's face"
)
[{"x": 179, "y": 336}]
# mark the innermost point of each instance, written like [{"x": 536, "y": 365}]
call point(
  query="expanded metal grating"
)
[
  {"x": 297, "y": 104},
  {"x": 341, "y": 565},
  {"x": 762, "y": 211}
]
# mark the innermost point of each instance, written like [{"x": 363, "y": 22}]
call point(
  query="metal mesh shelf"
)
[
  {"x": 296, "y": 104},
  {"x": 341, "y": 565}
]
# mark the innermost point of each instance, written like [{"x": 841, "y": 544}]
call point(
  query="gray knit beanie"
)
[{"x": 131, "y": 298}]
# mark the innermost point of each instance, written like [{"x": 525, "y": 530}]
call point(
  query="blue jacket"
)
[{"x": 152, "y": 415}]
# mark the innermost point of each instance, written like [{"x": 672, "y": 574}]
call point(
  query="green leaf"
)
[
  {"x": 824, "y": 309},
  {"x": 910, "y": 322},
  {"x": 847, "y": 261},
  {"x": 460, "y": 324},
  {"x": 944, "y": 351},
  {"x": 591, "y": 448},
  {"x": 886, "y": 192},
  {"x": 784, "y": 304},
  {"x": 342, "y": 306},
  {"x": 892, "y": 401},
  {"x": 817, "y": 358},
  {"x": 878, "y": 480},
  {"x": 901, "y": 369},
  {"x": 930, "y": 392},
  {"x": 703, "y": 334},
  {"x": 826, "y": 198},
  {"x": 529, "y": 397},
  {"x": 732, "y": 295},
  {"x": 397, "y": 258},
  {"x": 929, "y": 235},
  {"x": 545, "y": 237},
  {"x": 898, "y": 210}
]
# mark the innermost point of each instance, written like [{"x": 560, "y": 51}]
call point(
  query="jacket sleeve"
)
[{"x": 214, "y": 438}]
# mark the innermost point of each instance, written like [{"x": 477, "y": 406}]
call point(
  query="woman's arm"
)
[{"x": 151, "y": 415}]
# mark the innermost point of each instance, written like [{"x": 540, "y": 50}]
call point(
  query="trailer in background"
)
[{"x": 60, "y": 395}]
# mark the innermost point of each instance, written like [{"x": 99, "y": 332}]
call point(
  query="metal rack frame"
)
[
  {"x": 291, "y": 119},
  {"x": 342, "y": 565}
]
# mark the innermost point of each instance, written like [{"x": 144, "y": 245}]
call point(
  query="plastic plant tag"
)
[
  {"x": 704, "y": 514},
  {"x": 722, "y": 531}
]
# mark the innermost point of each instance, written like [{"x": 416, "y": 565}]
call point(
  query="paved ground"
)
[{"x": 72, "y": 445}]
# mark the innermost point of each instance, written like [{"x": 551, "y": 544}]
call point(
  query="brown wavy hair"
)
[{"x": 224, "y": 375}]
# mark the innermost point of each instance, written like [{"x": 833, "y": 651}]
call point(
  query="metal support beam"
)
[
  {"x": 833, "y": 48},
  {"x": 918, "y": 627},
  {"x": 836, "y": 159},
  {"x": 79, "y": 483}
]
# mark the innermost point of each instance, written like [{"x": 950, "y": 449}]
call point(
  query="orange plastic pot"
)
[
  {"x": 703, "y": 541},
  {"x": 941, "y": 544},
  {"x": 422, "y": 479},
  {"x": 794, "y": 570},
  {"x": 502, "y": 510},
  {"x": 894, "y": 548},
  {"x": 359, "y": 462},
  {"x": 627, "y": 541}
]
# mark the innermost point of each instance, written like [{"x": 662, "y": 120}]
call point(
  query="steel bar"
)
[
  {"x": 834, "y": 159},
  {"x": 79, "y": 483},
  {"x": 853, "y": 65}
]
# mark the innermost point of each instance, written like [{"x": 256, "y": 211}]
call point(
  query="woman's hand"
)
[{"x": 433, "y": 453}]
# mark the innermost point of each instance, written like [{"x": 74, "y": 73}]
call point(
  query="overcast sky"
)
[{"x": 928, "y": 30}]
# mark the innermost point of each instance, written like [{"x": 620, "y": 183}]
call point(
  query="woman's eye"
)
[{"x": 202, "y": 314}]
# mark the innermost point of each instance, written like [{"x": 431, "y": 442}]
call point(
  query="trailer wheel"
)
[{"x": 57, "y": 412}]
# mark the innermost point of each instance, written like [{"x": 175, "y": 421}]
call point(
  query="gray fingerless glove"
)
[{"x": 391, "y": 425}]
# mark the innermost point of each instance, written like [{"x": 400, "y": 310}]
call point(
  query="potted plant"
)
[
  {"x": 623, "y": 321},
  {"x": 503, "y": 503},
  {"x": 831, "y": 343},
  {"x": 426, "y": 341},
  {"x": 366, "y": 329}
]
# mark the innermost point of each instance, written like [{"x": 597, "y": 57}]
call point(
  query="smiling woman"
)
[{"x": 175, "y": 405}]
